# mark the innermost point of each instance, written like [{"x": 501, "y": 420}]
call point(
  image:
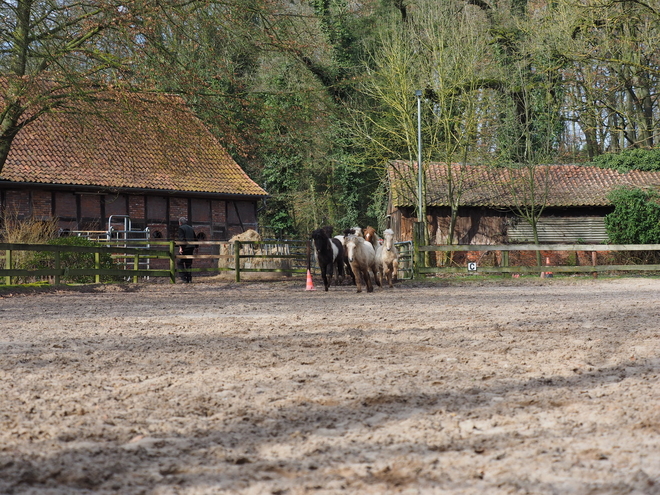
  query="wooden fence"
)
[
  {"x": 137, "y": 259},
  {"x": 158, "y": 259},
  {"x": 505, "y": 249}
]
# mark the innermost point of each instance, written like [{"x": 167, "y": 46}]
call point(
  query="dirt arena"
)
[{"x": 523, "y": 386}]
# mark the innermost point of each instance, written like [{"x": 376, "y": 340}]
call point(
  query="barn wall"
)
[
  {"x": 486, "y": 226},
  {"x": 473, "y": 226},
  {"x": 215, "y": 219}
]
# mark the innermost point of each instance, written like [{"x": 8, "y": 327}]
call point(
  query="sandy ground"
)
[{"x": 526, "y": 386}]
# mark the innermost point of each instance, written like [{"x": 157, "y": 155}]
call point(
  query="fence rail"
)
[
  {"x": 504, "y": 267},
  {"x": 285, "y": 257},
  {"x": 290, "y": 257}
]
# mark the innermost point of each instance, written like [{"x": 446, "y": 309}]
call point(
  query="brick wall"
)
[
  {"x": 158, "y": 231},
  {"x": 136, "y": 208},
  {"x": 219, "y": 212},
  {"x": 209, "y": 216},
  {"x": 42, "y": 204},
  {"x": 18, "y": 203},
  {"x": 178, "y": 208}
]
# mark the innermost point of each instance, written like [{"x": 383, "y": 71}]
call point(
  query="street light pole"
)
[
  {"x": 420, "y": 203},
  {"x": 418, "y": 237}
]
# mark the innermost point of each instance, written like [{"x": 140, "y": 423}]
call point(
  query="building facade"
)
[{"x": 142, "y": 159}]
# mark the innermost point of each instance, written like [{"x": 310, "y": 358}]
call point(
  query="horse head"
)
[
  {"x": 351, "y": 242},
  {"x": 369, "y": 233},
  {"x": 320, "y": 239},
  {"x": 388, "y": 241}
]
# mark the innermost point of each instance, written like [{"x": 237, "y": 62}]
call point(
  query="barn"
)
[
  {"x": 574, "y": 199},
  {"x": 141, "y": 160}
]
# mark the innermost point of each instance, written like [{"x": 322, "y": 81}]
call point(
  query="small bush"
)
[
  {"x": 636, "y": 217},
  {"x": 635, "y": 220},
  {"x": 26, "y": 231}
]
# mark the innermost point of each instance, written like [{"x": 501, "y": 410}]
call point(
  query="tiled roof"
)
[
  {"x": 126, "y": 140},
  {"x": 567, "y": 185}
]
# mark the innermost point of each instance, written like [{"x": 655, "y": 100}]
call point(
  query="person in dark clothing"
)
[{"x": 185, "y": 235}]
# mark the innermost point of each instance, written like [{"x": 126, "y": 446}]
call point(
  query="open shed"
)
[{"x": 574, "y": 198}]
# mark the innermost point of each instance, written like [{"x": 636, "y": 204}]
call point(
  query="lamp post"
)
[
  {"x": 420, "y": 204},
  {"x": 418, "y": 237}
]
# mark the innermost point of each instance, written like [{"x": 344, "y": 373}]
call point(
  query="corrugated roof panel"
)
[{"x": 589, "y": 230}]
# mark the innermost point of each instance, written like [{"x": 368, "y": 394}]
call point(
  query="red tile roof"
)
[
  {"x": 567, "y": 185},
  {"x": 126, "y": 140}
]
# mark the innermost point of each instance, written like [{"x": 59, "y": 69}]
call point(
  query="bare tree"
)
[
  {"x": 442, "y": 49},
  {"x": 54, "y": 51}
]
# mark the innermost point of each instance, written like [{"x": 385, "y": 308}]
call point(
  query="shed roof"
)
[
  {"x": 556, "y": 185},
  {"x": 126, "y": 140}
]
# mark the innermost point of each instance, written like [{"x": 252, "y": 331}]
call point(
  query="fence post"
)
[
  {"x": 172, "y": 263},
  {"x": 418, "y": 256},
  {"x": 237, "y": 261},
  {"x": 308, "y": 253},
  {"x": 8, "y": 263},
  {"x": 505, "y": 261},
  {"x": 594, "y": 262},
  {"x": 97, "y": 266},
  {"x": 136, "y": 266},
  {"x": 58, "y": 266}
]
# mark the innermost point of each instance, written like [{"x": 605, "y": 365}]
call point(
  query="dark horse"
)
[{"x": 329, "y": 254}]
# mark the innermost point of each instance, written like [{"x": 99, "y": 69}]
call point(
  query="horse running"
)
[
  {"x": 371, "y": 236},
  {"x": 362, "y": 258},
  {"x": 387, "y": 258},
  {"x": 347, "y": 265},
  {"x": 329, "y": 254}
]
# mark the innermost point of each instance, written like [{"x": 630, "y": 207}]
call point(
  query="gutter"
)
[{"x": 128, "y": 190}]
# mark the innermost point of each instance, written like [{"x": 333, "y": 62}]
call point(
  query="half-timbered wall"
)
[{"x": 214, "y": 219}]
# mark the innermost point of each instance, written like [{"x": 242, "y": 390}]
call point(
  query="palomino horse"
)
[
  {"x": 387, "y": 258},
  {"x": 362, "y": 258},
  {"x": 329, "y": 254}
]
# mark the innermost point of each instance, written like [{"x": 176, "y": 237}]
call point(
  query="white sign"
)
[{"x": 472, "y": 266}]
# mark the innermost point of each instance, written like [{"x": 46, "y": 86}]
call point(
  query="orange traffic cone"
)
[
  {"x": 310, "y": 283},
  {"x": 547, "y": 274}
]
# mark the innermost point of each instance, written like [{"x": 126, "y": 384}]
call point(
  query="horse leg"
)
[
  {"x": 357, "y": 276},
  {"x": 331, "y": 272},
  {"x": 349, "y": 269},
  {"x": 388, "y": 273},
  {"x": 324, "y": 274},
  {"x": 374, "y": 269},
  {"x": 340, "y": 271},
  {"x": 367, "y": 280}
]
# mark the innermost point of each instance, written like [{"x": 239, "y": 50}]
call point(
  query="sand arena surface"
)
[{"x": 527, "y": 386}]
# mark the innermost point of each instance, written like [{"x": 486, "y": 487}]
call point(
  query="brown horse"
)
[
  {"x": 371, "y": 236},
  {"x": 362, "y": 258}
]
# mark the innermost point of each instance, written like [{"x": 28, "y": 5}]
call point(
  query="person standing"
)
[{"x": 185, "y": 235}]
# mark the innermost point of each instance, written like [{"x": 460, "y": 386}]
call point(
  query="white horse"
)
[
  {"x": 387, "y": 258},
  {"x": 362, "y": 258}
]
